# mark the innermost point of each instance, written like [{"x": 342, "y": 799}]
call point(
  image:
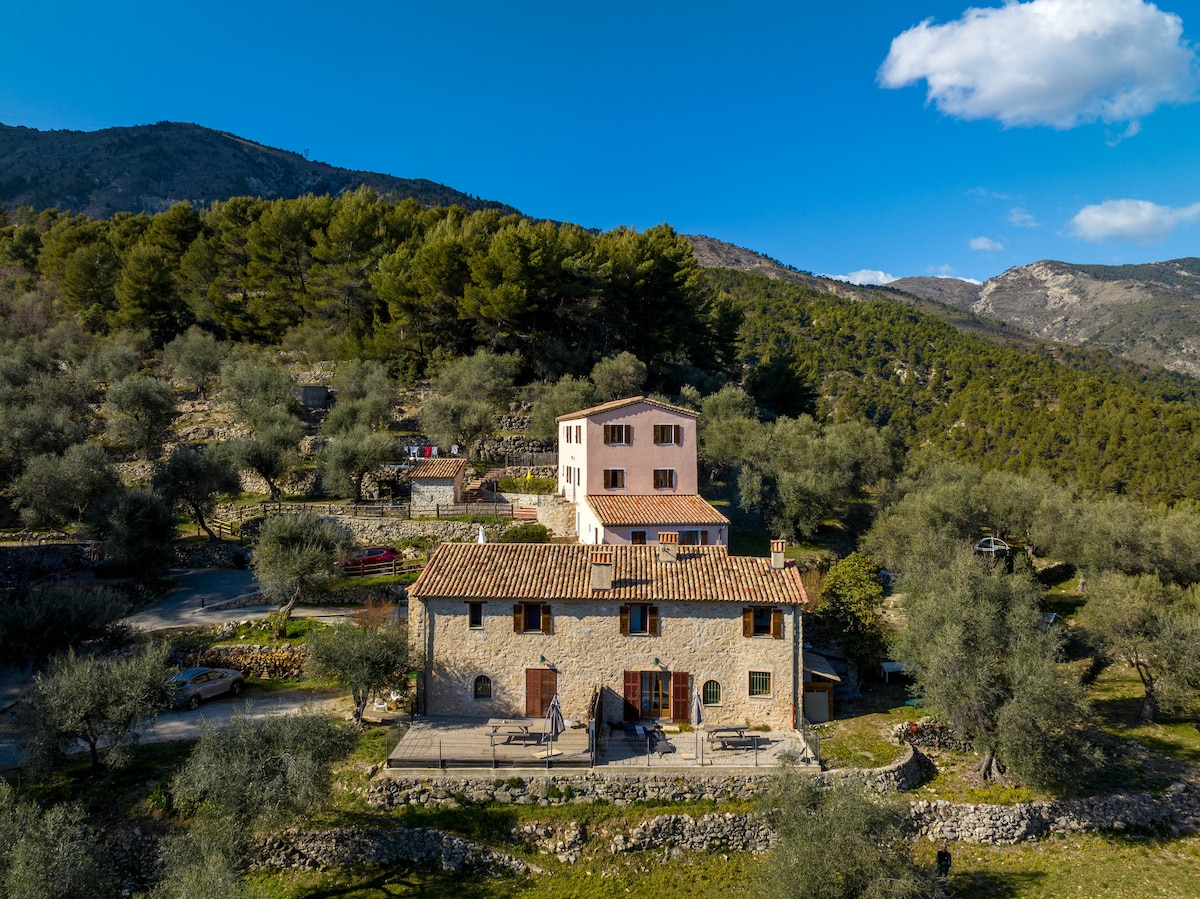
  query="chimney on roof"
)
[
  {"x": 602, "y": 568},
  {"x": 777, "y": 548},
  {"x": 668, "y": 546}
]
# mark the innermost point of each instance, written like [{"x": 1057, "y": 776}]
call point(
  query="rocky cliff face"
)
[{"x": 1150, "y": 312}]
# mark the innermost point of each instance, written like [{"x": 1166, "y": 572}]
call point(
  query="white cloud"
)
[
  {"x": 1139, "y": 221},
  {"x": 1049, "y": 62},
  {"x": 864, "y": 277},
  {"x": 1022, "y": 218},
  {"x": 985, "y": 245}
]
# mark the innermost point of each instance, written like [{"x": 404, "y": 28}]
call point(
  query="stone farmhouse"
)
[
  {"x": 622, "y": 632},
  {"x": 629, "y": 467}
]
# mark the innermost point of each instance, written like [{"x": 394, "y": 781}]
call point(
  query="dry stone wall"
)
[
  {"x": 1177, "y": 812},
  {"x": 618, "y": 788},
  {"x": 378, "y": 846}
]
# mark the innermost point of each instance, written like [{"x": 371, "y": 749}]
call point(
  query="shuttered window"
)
[
  {"x": 618, "y": 435},
  {"x": 668, "y": 435},
  {"x": 531, "y": 618},
  {"x": 639, "y": 618}
]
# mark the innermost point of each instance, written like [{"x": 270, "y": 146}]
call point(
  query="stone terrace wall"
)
[
  {"x": 617, "y": 788},
  {"x": 378, "y": 846},
  {"x": 1178, "y": 811}
]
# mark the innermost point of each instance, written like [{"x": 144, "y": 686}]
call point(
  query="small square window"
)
[
  {"x": 760, "y": 683},
  {"x": 668, "y": 435},
  {"x": 664, "y": 478},
  {"x": 639, "y": 619},
  {"x": 762, "y": 622},
  {"x": 474, "y": 614},
  {"x": 614, "y": 478},
  {"x": 616, "y": 435},
  {"x": 637, "y": 538},
  {"x": 533, "y": 616}
]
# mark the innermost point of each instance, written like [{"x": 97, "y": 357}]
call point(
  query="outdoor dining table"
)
[
  {"x": 726, "y": 735},
  {"x": 512, "y": 727}
]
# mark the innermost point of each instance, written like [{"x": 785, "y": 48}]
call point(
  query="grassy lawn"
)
[
  {"x": 859, "y": 735},
  {"x": 1089, "y": 866}
]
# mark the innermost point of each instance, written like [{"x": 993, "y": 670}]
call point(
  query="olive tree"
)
[
  {"x": 1154, "y": 628},
  {"x": 98, "y": 704},
  {"x": 139, "y": 411},
  {"x": 366, "y": 659},
  {"x": 838, "y": 843},
  {"x": 293, "y": 554},
  {"x": 984, "y": 661},
  {"x": 51, "y": 853},
  {"x": 53, "y": 490},
  {"x": 192, "y": 477}
]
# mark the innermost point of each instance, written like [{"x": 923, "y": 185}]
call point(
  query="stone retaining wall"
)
[
  {"x": 378, "y": 846},
  {"x": 619, "y": 788},
  {"x": 1177, "y": 811}
]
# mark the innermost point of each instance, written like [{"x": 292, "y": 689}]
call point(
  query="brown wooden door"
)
[
  {"x": 540, "y": 686},
  {"x": 680, "y": 681},
  {"x": 633, "y": 695}
]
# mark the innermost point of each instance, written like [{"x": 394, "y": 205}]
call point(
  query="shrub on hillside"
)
[
  {"x": 543, "y": 486},
  {"x": 530, "y": 532}
]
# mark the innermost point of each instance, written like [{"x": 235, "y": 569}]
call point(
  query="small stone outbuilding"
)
[{"x": 438, "y": 482}]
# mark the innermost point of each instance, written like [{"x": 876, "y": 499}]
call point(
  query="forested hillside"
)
[{"x": 360, "y": 277}]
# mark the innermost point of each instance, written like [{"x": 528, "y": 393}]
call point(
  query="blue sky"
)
[{"x": 905, "y": 137}]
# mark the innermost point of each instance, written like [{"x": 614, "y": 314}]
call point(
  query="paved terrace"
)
[{"x": 468, "y": 743}]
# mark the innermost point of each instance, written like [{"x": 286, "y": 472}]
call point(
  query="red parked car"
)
[{"x": 365, "y": 560}]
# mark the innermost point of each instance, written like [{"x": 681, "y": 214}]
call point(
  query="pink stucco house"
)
[{"x": 629, "y": 467}]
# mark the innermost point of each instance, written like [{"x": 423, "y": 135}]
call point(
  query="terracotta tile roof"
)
[
  {"x": 617, "y": 404},
  {"x": 438, "y": 468},
  {"x": 618, "y": 510},
  {"x": 546, "y": 571}
]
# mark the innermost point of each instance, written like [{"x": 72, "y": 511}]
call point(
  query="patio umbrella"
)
[
  {"x": 697, "y": 716},
  {"x": 482, "y": 538},
  {"x": 554, "y": 723}
]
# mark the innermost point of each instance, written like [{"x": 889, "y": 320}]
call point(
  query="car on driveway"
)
[
  {"x": 194, "y": 685},
  {"x": 365, "y": 560}
]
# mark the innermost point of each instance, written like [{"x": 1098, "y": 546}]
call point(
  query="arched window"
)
[
  {"x": 712, "y": 693},
  {"x": 483, "y": 687}
]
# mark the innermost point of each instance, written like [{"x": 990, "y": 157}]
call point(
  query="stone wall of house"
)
[
  {"x": 435, "y": 492},
  {"x": 588, "y": 651}
]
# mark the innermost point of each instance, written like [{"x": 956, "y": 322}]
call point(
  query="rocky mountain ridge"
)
[{"x": 149, "y": 168}]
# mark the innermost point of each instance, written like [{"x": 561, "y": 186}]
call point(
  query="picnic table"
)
[
  {"x": 512, "y": 727},
  {"x": 724, "y": 737}
]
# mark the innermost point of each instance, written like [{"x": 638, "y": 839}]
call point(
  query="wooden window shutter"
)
[
  {"x": 679, "y": 696},
  {"x": 747, "y": 622},
  {"x": 777, "y": 623},
  {"x": 652, "y": 621},
  {"x": 632, "y": 694},
  {"x": 518, "y": 618},
  {"x": 624, "y": 619},
  {"x": 679, "y": 435},
  {"x": 629, "y": 434},
  {"x": 545, "y": 618}
]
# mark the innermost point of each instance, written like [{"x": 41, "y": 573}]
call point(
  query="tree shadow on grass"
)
[
  {"x": 975, "y": 884},
  {"x": 386, "y": 882}
]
